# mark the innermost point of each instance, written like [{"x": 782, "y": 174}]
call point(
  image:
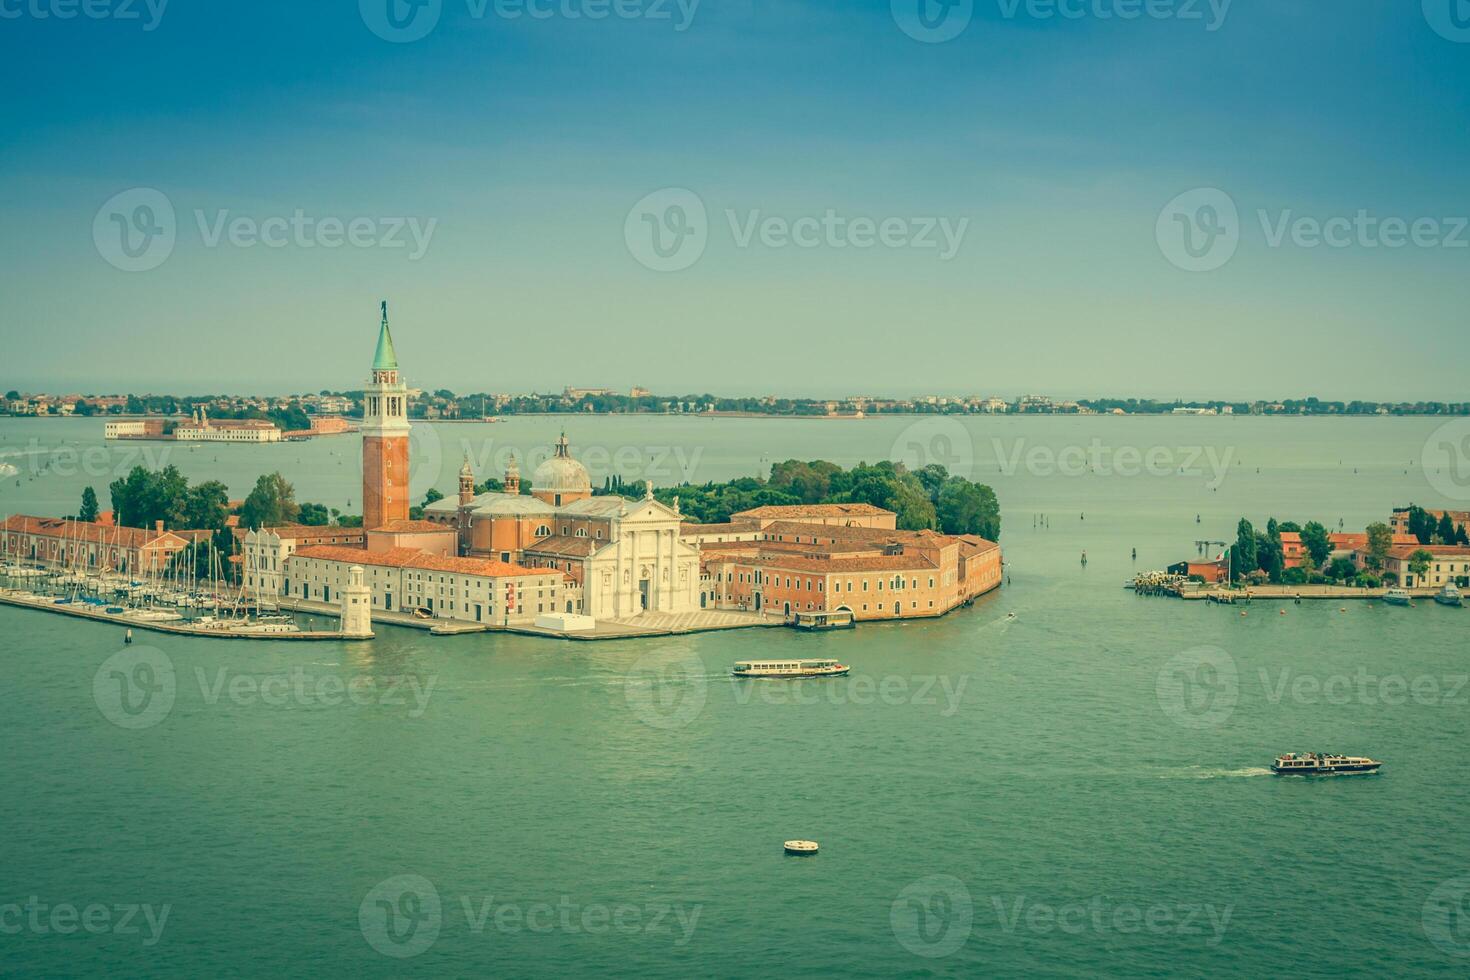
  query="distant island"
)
[{"x": 295, "y": 412}]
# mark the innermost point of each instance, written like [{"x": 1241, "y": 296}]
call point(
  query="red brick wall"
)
[{"x": 384, "y": 480}]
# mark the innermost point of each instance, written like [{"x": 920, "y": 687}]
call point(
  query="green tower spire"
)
[{"x": 385, "y": 359}]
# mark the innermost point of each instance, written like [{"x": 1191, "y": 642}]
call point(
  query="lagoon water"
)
[{"x": 1078, "y": 791}]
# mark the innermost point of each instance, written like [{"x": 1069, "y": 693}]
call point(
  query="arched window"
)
[{"x": 542, "y": 531}]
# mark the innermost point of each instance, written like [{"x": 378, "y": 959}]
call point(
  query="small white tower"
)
[{"x": 357, "y": 605}]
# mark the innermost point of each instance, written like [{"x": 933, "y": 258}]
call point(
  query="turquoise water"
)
[{"x": 1078, "y": 791}]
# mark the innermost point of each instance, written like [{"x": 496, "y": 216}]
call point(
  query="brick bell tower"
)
[{"x": 384, "y": 437}]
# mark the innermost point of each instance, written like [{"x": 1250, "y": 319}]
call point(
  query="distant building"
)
[
  {"x": 133, "y": 429},
  {"x": 202, "y": 428},
  {"x": 574, "y": 394}
]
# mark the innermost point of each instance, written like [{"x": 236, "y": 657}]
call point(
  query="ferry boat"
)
[
  {"x": 1397, "y": 597},
  {"x": 1317, "y": 764},
  {"x": 1449, "y": 596},
  {"x": 788, "y": 668}
]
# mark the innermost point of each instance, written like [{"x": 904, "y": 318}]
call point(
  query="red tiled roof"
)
[
  {"x": 414, "y": 558},
  {"x": 565, "y": 545},
  {"x": 57, "y": 527},
  {"x": 1405, "y": 552},
  {"x": 414, "y": 527},
  {"x": 813, "y": 510},
  {"x": 689, "y": 527}
]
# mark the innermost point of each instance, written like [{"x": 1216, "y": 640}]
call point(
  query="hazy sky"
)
[{"x": 1016, "y": 180}]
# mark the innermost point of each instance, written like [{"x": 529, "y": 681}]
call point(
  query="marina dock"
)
[{"x": 177, "y": 627}]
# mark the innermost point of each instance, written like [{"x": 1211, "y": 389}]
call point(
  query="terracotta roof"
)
[
  {"x": 566, "y": 546},
  {"x": 689, "y": 527},
  {"x": 57, "y": 527},
  {"x": 875, "y": 563},
  {"x": 414, "y": 558},
  {"x": 813, "y": 510},
  {"x": 413, "y": 527},
  {"x": 1404, "y": 552},
  {"x": 296, "y": 531}
]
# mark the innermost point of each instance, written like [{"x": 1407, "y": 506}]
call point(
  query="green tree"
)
[
  {"x": 314, "y": 515},
  {"x": 1243, "y": 558},
  {"x": 207, "y": 505},
  {"x": 89, "y": 505},
  {"x": 1444, "y": 533},
  {"x": 1461, "y": 538},
  {"x": 431, "y": 496},
  {"x": 144, "y": 497},
  {"x": 273, "y": 501},
  {"x": 1269, "y": 556},
  {"x": 968, "y": 508},
  {"x": 1421, "y": 525},
  {"x": 1341, "y": 569},
  {"x": 1317, "y": 543},
  {"x": 1380, "y": 540},
  {"x": 1419, "y": 563}
]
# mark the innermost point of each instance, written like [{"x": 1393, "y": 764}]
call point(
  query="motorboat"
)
[
  {"x": 1449, "y": 596},
  {"x": 1318, "y": 764},
  {"x": 788, "y": 668},
  {"x": 1397, "y": 597}
]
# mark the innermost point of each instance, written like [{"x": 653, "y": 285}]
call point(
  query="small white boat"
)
[
  {"x": 1397, "y": 597},
  {"x": 1449, "y": 596},
  {"x": 153, "y": 615},
  {"x": 788, "y": 668},
  {"x": 268, "y": 624}
]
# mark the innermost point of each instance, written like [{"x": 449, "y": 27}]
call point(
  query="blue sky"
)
[{"x": 1050, "y": 147}]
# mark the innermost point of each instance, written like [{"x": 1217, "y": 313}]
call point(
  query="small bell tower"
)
[{"x": 466, "y": 483}]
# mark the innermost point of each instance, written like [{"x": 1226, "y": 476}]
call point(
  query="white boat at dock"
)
[{"x": 1449, "y": 596}]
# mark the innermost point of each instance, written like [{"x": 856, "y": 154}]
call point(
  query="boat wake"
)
[{"x": 1200, "y": 772}]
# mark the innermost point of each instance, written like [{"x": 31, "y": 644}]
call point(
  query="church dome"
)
[{"x": 561, "y": 473}]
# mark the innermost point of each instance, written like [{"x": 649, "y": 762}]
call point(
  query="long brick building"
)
[{"x": 765, "y": 564}]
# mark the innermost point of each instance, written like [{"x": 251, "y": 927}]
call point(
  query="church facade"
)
[{"x": 621, "y": 557}]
